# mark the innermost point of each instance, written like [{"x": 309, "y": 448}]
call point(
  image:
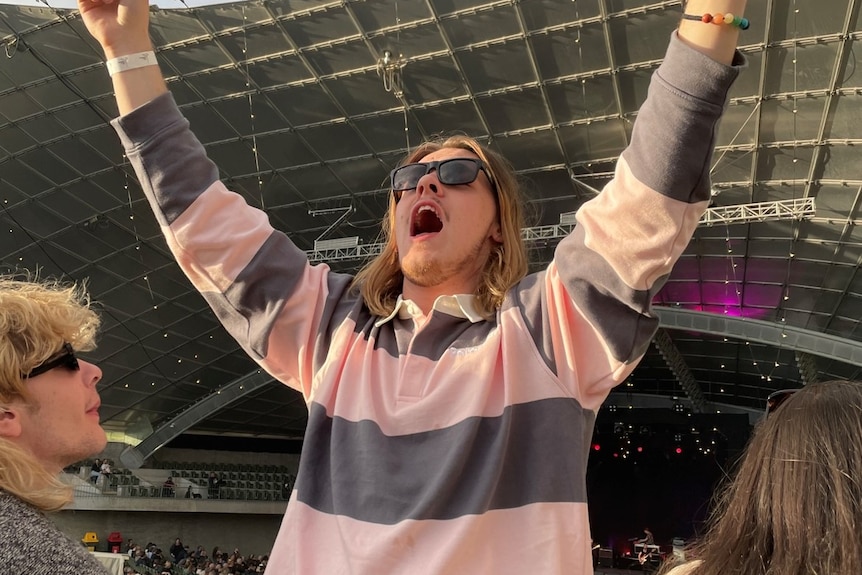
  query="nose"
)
[
  {"x": 91, "y": 372},
  {"x": 428, "y": 182}
]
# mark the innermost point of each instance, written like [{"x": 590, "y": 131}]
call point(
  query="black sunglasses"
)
[
  {"x": 66, "y": 359},
  {"x": 451, "y": 172},
  {"x": 776, "y": 398}
]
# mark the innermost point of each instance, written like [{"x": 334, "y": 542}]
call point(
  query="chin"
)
[
  {"x": 423, "y": 274},
  {"x": 100, "y": 441}
]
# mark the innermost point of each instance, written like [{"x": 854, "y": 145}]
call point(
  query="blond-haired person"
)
[
  {"x": 451, "y": 397},
  {"x": 49, "y": 418}
]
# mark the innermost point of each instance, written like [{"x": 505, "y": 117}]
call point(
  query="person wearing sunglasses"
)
[
  {"x": 794, "y": 505},
  {"x": 451, "y": 395},
  {"x": 49, "y": 419}
]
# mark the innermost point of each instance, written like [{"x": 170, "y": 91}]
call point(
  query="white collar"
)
[{"x": 460, "y": 305}]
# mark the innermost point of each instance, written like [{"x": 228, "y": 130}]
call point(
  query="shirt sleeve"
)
[
  {"x": 599, "y": 287},
  {"x": 259, "y": 284}
]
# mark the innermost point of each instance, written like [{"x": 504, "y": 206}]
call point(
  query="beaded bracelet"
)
[{"x": 729, "y": 19}]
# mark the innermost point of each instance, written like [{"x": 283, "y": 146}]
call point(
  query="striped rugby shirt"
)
[{"x": 458, "y": 443}]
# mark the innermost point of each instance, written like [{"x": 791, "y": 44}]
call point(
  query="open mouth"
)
[{"x": 425, "y": 221}]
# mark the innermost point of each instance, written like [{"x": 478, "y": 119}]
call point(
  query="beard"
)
[{"x": 430, "y": 269}]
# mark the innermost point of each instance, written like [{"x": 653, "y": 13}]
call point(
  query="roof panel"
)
[
  {"x": 43, "y": 128},
  {"x": 327, "y": 131},
  {"x": 791, "y": 120},
  {"x": 378, "y": 130},
  {"x": 567, "y": 52},
  {"x": 375, "y": 16},
  {"x": 304, "y": 105},
  {"x": 481, "y": 26},
  {"x": 359, "y": 94},
  {"x": 586, "y": 98},
  {"x": 334, "y": 141},
  {"x": 840, "y": 162},
  {"x": 283, "y": 69},
  {"x": 631, "y": 45},
  {"x": 340, "y": 58},
  {"x": 800, "y": 68},
  {"x": 461, "y": 115},
  {"x": 22, "y": 176},
  {"x": 23, "y": 68},
  {"x": 598, "y": 139},
  {"x": 224, "y": 83},
  {"x": 539, "y": 14},
  {"x": 804, "y": 18},
  {"x": 496, "y": 66},
  {"x": 14, "y": 140},
  {"x": 846, "y": 121},
  {"x": 79, "y": 117},
  {"x": 531, "y": 150},
  {"x": 320, "y": 27},
  {"x": 522, "y": 110},
  {"x": 433, "y": 80},
  {"x": 285, "y": 148}
]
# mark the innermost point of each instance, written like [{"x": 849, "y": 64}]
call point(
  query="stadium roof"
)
[{"x": 306, "y": 105}]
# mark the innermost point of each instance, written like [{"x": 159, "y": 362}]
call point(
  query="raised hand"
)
[{"x": 120, "y": 26}]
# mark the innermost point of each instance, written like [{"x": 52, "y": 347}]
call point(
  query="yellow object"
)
[{"x": 90, "y": 539}]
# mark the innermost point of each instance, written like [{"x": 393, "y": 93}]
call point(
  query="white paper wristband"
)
[{"x": 130, "y": 62}]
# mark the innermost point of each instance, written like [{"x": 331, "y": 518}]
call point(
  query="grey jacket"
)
[{"x": 31, "y": 544}]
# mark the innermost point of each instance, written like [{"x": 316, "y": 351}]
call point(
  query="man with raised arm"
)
[{"x": 451, "y": 396}]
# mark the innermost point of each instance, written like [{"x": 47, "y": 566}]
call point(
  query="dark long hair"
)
[{"x": 795, "y": 505}]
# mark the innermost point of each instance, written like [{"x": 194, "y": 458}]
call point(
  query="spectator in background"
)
[
  {"x": 49, "y": 419},
  {"x": 214, "y": 485},
  {"x": 95, "y": 470},
  {"x": 794, "y": 506},
  {"x": 168, "y": 487},
  {"x": 106, "y": 471},
  {"x": 141, "y": 557},
  {"x": 178, "y": 551}
]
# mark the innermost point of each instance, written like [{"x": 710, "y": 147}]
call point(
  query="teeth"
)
[{"x": 426, "y": 209}]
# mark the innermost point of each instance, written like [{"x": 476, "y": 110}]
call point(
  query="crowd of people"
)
[{"x": 149, "y": 559}]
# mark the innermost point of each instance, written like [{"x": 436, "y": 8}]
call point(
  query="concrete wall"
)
[
  {"x": 209, "y": 456},
  {"x": 252, "y": 534}
]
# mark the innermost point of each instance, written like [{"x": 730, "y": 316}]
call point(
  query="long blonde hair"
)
[
  {"x": 380, "y": 281},
  {"x": 36, "y": 319}
]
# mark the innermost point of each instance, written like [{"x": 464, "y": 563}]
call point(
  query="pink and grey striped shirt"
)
[{"x": 457, "y": 444}]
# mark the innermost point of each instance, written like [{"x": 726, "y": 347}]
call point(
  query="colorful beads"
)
[{"x": 719, "y": 19}]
